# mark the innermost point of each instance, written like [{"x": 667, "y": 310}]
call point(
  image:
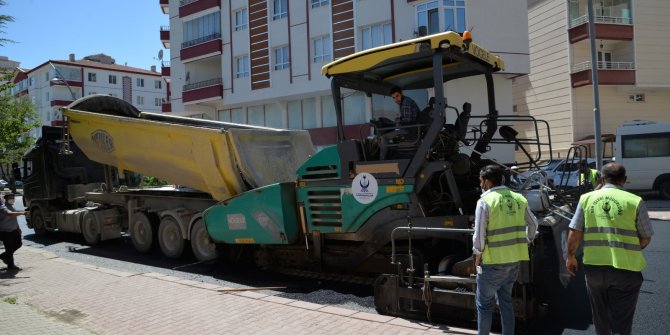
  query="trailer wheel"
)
[
  {"x": 170, "y": 237},
  {"x": 37, "y": 221},
  {"x": 90, "y": 228},
  {"x": 143, "y": 231},
  {"x": 664, "y": 189},
  {"x": 203, "y": 247}
]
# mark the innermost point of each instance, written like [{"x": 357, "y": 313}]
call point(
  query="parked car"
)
[
  {"x": 561, "y": 173},
  {"x": 3, "y": 184}
]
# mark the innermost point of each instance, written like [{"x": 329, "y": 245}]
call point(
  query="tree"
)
[
  {"x": 3, "y": 22},
  {"x": 17, "y": 118}
]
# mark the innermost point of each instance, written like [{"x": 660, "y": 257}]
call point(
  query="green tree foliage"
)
[
  {"x": 3, "y": 23},
  {"x": 17, "y": 118}
]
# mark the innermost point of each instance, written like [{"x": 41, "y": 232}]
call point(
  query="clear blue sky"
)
[{"x": 127, "y": 30}]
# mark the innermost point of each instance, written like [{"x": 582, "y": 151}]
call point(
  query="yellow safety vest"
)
[
  {"x": 506, "y": 240},
  {"x": 610, "y": 234},
  {"x": 592, "y": 175}
]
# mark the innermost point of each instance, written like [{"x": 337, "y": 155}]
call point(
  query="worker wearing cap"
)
[
  {"x": 615, "y": 227},
  {"x": 503, "y": 228}
]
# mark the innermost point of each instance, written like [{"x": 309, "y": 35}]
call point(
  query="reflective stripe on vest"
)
[
  {"x": 610, "y": 234},
  {"x": 506, "y": 230}
]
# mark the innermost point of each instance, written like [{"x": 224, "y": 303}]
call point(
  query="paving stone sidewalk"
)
[{"x": 54, "y": 295}]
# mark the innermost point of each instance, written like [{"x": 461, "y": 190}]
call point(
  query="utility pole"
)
[{"x": 597, "y": 138}]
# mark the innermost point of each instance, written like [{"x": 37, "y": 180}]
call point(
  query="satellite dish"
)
[
  {"x": 188, "y": 76},
  {"x": 160, "y": 54}
]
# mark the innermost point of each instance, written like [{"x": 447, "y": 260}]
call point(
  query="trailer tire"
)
[
  {"x": 90, "y": 228},
  {"x": 664, "y": 189},
  {"x": 143, "y": 231},
  {"x": 37, "y": 221},
  {"x": 170, "y": 238},
  {"x": 203, "y": 247}
]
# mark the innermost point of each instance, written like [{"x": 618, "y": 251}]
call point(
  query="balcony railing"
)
[
  {"x": 200, "y": 40},
  {"x": 186, "y": 2},
  {"x": 601, "y": 19},
  {"x": 583, "y": 66},
  {"x": 165, "y": 64},
  {"x": 201, "y": 84}
]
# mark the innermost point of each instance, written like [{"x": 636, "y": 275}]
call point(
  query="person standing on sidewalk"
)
[
  {"x": 615, "y": 227},
  {"x": 504, "y": 225},
  {"x": 10, "y": 233}
]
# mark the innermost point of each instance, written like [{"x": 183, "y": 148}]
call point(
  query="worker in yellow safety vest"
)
[
  {"x": 615, "y": 227},
  {"x": 504, "y": 225},
  {"x": 588, "y": 177}
]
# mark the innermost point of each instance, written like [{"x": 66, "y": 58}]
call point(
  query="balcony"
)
[
  {"x": 165, "y": 6},
  {"x": 609, "y": 73},
  {"x": 607, "y": 28},
  {"x": 166, "y": 107},
  {"x": 60, "y": 103},
  {"x": 200, "y": 48},
  {"x": 202, "y": 91},
  {"x": 190, "y": 7},
  {"x": 165, "y": 71},
  {"x": 165, "y": 36}
]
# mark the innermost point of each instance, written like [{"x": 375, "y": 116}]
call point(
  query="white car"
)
[
  {"x": 3, "y": 184},
  {"x": 562, "y": 173}
]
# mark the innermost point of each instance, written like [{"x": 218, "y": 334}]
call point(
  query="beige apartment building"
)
[
  {"x": 259, "y": 61},
  {"x": 632, "y": 45}
]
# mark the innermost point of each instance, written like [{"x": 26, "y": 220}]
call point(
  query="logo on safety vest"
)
[
  {"x": 364, "y": 188},
  {"x": 607, "y": 208},
  {"x": 510, "y": 202}
]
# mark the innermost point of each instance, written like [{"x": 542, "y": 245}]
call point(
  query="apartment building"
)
[
  {"x": 56, "y": 83},
  {"x": 259, "y": 62},
  {"x": 632, "y": 45}
]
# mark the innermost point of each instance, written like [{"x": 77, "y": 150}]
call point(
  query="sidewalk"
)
[{"x": 54, "y": 295}]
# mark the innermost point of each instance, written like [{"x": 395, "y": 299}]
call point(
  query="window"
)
[
  {"x": 113, "y": 95},
  {"x": 224, "y": 115},
  {"x": 454, "y": 15},
  {"x": 158, "y": 84},
  {"x": 256, "y": 115},
  {"x": 429, "y": 15},
  {"x": 281, "y": 58},
  {"x": 328, "y": 117},
  {"x": 140, "y": 82},
  {"x": 112, "y": 79},
  {"x": 639, "y": 97},
  {"x": 354, "y": 108},
  {"x": 319, "y": 3},
  {"x": 157, "y": 102},
  {"x": 47, "y": 77},
  {"x": 322, "y": 49},
  {"x": 237, "y": 115},
  {"x": 140, "y": 100},
  {"x": 241, "y": 19},
  {"x": 428, "y": 18},
  {"x": 302, "y": 113},
  {"x": 92, "y": 77},
  {"x": 92, "y": 92},
  {"x": 242, "y": 67},
  {"x": 645, "y": 145},
  {"x": 376, "y": 35},
  {"x": 279, "y": 9},
  {"x": 202, "y": 29}
]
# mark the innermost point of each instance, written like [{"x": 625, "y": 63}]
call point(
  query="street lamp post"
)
[
  {"x": 65, "y": 144},
  {"x": 596, "y": 96}
]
